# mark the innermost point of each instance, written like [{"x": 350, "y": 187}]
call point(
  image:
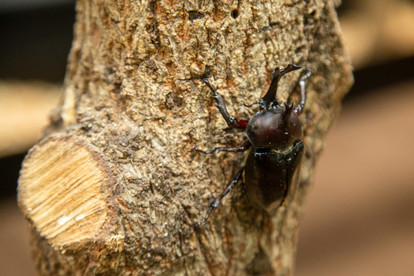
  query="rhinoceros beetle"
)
[{"x": 274, "y": 139}]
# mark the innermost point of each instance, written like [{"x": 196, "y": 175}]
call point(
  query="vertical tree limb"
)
[{"x": 115, "y": 186}]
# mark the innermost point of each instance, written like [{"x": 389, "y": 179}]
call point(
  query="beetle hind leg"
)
[{"x": 216, "y": 202}]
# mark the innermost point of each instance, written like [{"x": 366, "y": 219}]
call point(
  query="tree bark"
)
[{"x": 115, "y": 185}]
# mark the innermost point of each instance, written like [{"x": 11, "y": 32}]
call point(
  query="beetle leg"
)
[
  {"x": 216, "y": 202},
  {"x": 302, "y": 84},
  {"x": 231, "y": 121},
  {"x": 241, "y": 148}
]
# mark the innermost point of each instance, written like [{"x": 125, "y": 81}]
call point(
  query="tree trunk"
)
[{"x": 115, "y": 186}]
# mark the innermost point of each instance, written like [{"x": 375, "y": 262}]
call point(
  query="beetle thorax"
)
[{"x": 274, "y": 128}]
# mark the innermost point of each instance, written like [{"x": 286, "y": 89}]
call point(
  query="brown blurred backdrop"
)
[{"x": 359, "y": 215}]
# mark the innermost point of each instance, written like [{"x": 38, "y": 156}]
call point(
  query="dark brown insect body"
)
[{"x": 276, "y": 155}]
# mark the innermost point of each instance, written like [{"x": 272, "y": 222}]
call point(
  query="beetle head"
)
[{"x": 277, "y": 128}]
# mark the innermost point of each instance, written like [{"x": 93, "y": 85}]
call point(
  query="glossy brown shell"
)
[{"x": 269, "y": 174}]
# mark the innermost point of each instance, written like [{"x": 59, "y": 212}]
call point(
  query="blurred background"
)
[{"x": 359, "y": 215}]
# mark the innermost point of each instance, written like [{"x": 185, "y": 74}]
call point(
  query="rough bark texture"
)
[{"x": 133, "y": 110}]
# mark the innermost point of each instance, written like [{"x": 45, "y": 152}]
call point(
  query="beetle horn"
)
[
  {"x": 288, "y": 111},
  {"x": 276, "y": 75}
]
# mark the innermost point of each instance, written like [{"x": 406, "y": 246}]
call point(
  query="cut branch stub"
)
[{"x": 62, "y": 189}]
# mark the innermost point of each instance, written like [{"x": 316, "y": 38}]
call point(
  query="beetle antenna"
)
[
  {"x": 250, "y": 105},
  {"x": 276, "y": 75}
]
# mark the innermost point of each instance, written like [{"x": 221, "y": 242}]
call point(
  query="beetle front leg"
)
[
  {"x": 231, "y": 121},
  {"x": 242, "y": 148},
  {"x": 216, "y": 202},
  {"x": 302, "y": 84}
]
